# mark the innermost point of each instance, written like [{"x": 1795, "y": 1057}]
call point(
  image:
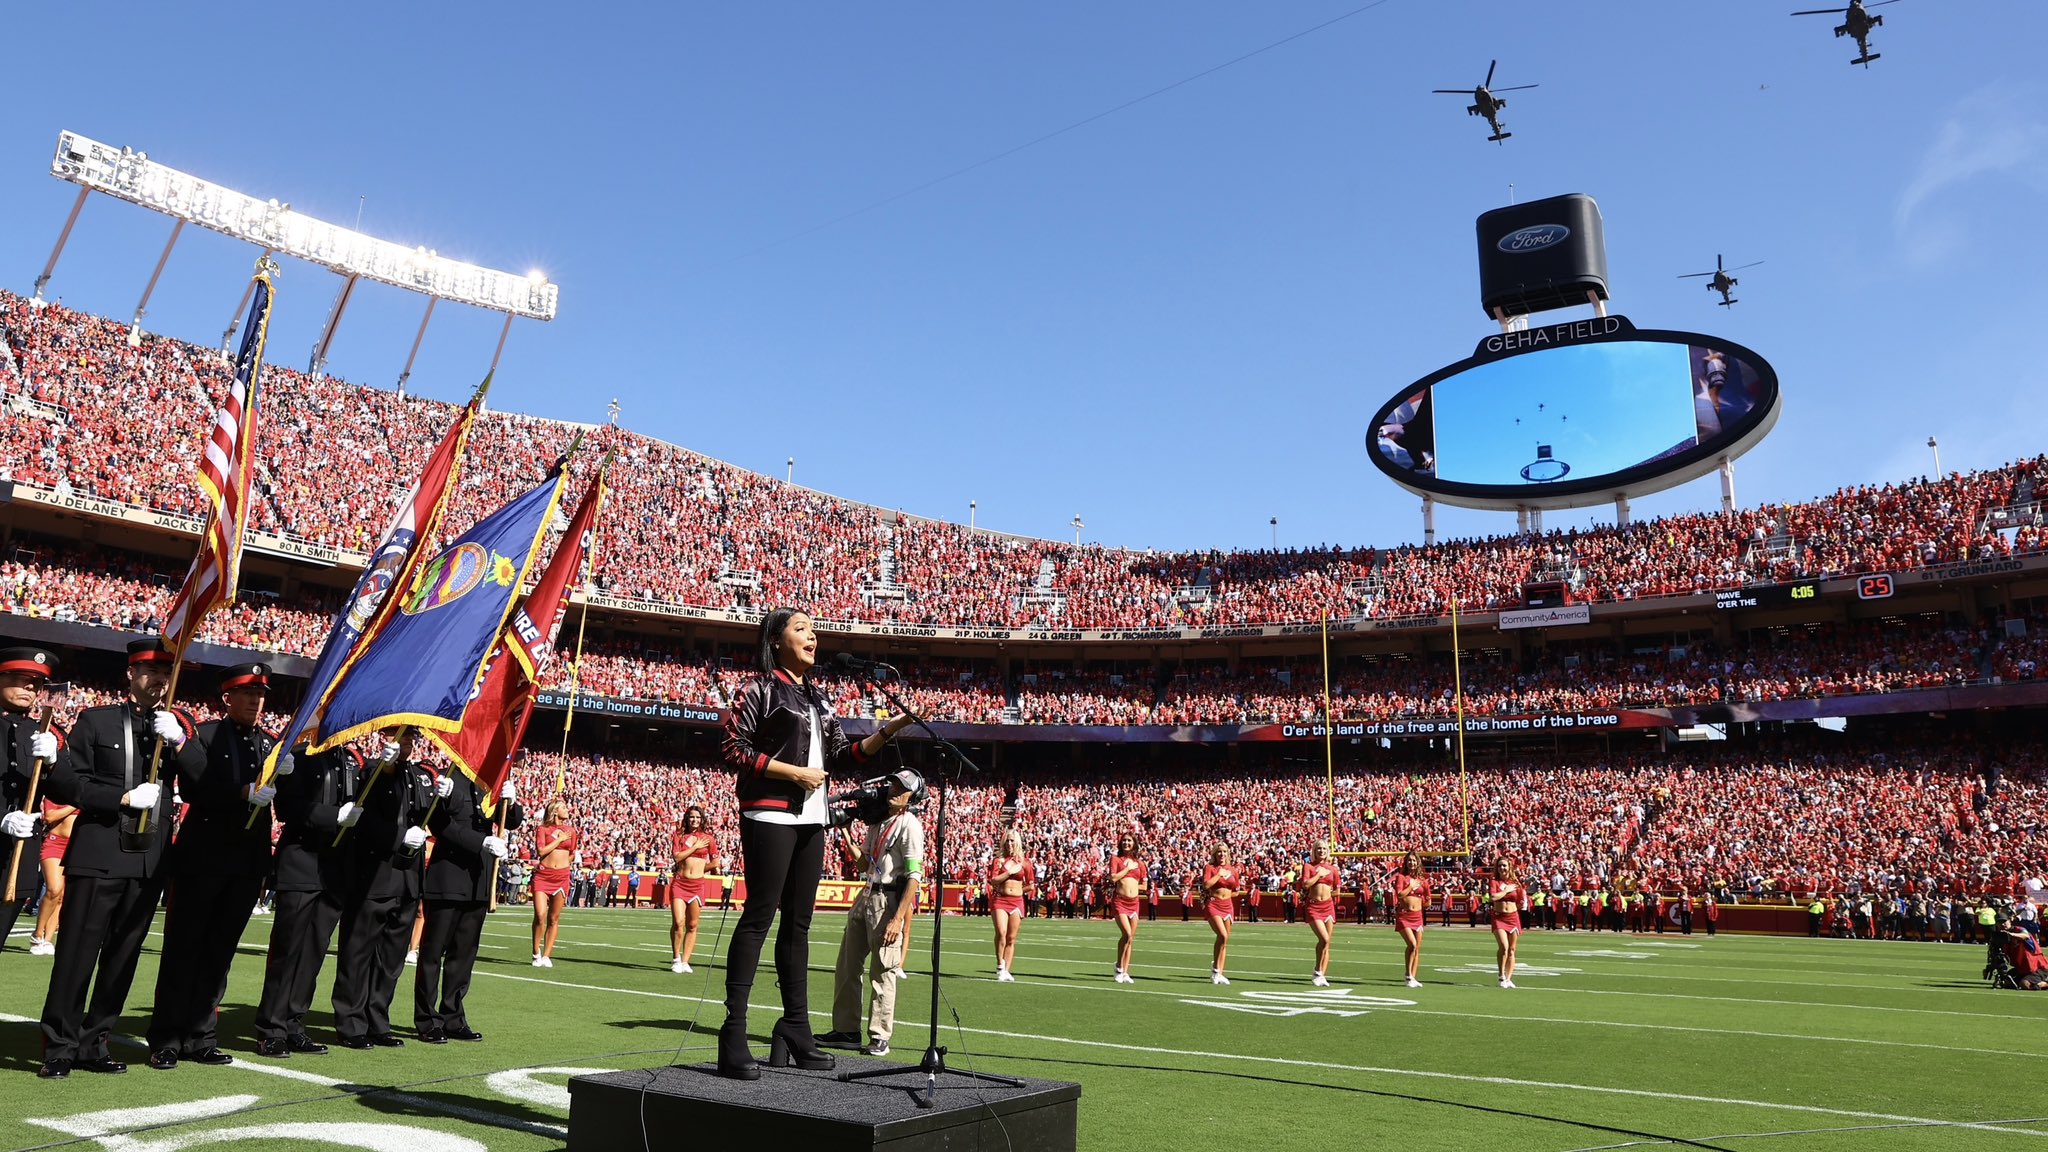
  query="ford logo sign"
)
[{"x": 1533, "y": 238}]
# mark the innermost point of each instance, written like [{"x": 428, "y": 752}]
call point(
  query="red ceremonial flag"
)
[
  {"x": 225, "y": 466},
  {"x": 495, "y": 721}
]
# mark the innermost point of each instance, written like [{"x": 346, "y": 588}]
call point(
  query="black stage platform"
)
[{"x": 655, "y": 1107}]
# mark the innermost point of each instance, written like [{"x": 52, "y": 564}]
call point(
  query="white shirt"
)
[{"x": 813, "y": 810}]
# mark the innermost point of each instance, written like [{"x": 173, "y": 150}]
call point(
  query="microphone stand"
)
[{"x": 934, "y": 1062}]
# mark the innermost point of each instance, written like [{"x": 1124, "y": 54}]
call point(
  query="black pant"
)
[
  {"x": 362, "y": 995},
  {"x": 302, "y": 924},
  {"x": 28, "y": 881},
  {"x": 784, "y": 862},
  {"x": 448, "y": 947},
  {"x": 203, "y": 923},
  {"x": 102, "y": 927}
]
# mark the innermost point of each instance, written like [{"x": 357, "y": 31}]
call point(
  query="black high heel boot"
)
[
  {"x": 735, "y": 1059},
  {"x": 790, "y": 1043}
]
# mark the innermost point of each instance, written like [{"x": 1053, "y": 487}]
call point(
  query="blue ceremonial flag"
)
[
  {"x": 393, "y": 564},
  {"x": 422, "y": 667}
]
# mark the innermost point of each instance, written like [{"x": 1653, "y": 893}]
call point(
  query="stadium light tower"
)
[
  {"x": 971, "y": 506},
  {"x": 1936, "y": 445},
  {"x": 1077, "y": 529},
  {"x": 1275, "y": 522},
  {"x": 789, "y": 475},
  {"x": 126, "y": 174}
]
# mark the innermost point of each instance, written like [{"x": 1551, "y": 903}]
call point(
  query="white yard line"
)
[
  {"x": 1365, "y": 1069},
  {"x": 356, "y": 1088}
]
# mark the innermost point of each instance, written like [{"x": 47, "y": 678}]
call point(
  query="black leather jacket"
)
[{"x": 770, "y": 719}]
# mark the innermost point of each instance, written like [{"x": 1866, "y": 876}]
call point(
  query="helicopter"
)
[
  {"x": 1485, "y": 103},
  {"x": 1856, "y": 21},
  {"x": 1722, "y": 282}
]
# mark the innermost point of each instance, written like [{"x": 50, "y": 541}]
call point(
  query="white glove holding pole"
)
[
  {"x": 508, "y": 793},
  {"x": 19, "y": 825},
  {"x": 348, "y": 815},
  {"x": 494, "y": 846},
  {"x": 415, "y": 836},
  {"x": 142, "y": 797},
  {"x": 260, "y": 796},
  {"x": 167, "y": 728},
  {"x": 444, "y": 787},
  {"x": 286, "y": 765},
  {"x": 43, "y": 746}
]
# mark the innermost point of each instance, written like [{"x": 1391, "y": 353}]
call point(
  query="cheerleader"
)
[
  {"x": 1505, "y": 894},
  {"x": 1220, "y": 883},
  {"x": 57, "y": 822},
  {"x": 1126, "y": 880},
  {"x": 1007, "y": 876},
  {"x": 554, "y": 849},
  {"x": 689, "y": 884},
  {"x": 1411, "y": 896},
  {"x": 1318, "y": 887}
]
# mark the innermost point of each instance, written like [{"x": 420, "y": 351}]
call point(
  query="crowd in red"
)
[
  {"x": 128, "y": 590},
  {"x": 685, "y": 528},
  {"x": 1923, "y": 819}
]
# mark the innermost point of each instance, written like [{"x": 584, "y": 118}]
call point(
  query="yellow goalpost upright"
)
[{"x": 1330, "y": 756}]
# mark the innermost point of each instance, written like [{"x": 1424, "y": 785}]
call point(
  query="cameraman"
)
[{"x": 879, "y": 921}]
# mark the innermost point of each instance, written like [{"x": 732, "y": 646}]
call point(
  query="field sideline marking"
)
[
  {"x": 1420, "y": 1011},
  {"x": 1461, "y": 1077}
]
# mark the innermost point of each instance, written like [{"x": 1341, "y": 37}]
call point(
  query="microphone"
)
[{"x": 874, "y": 669}]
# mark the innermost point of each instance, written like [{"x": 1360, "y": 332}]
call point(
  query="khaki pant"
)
[{"x": 865, "y": 924}]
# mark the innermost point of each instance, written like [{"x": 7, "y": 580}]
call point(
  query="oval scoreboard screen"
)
[{"x": 1573, "y": 414}]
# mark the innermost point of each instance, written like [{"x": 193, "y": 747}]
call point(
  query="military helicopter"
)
[
  {"x": 1485, "y": 103},
  {"x": 1722, "y": 282},
  {"x": 1857, "y": 22}
]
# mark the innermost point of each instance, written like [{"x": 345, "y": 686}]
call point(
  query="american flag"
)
[{"x": 224, "y": 478}]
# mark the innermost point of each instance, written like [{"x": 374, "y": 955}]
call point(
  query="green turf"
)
[{"x": 1608, "y": 1040}]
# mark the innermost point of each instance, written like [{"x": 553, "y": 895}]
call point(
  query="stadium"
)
[{"x": 1772, "y": 777}]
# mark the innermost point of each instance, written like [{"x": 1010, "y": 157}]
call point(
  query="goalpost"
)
[{"x": 1330, "y": 757}]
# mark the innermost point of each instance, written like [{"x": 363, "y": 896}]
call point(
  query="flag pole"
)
[
  {"x": 384, "y": 764},
  {"x": 576, "y": 665},
  {"x": 28, "y": 805},
  {"x": 156, "y": 749}
]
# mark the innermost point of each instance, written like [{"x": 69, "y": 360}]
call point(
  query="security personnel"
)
[
  {"x": 315, "y": 799},
  {"x": 458, "y": 886},
  {"x": 218, "y": 864},
  {"x": 23, "y": 672},
  {"x": 382, "y": 900},
  {"x": 114, "y": 869}
]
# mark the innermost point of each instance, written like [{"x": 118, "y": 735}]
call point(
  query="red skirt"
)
[
  {"x": 548, "y": 881},
  {"x": 1014, "y": 905},
  {"x": 54, "y": 846}
]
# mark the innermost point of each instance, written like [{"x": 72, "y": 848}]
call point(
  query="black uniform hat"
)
[
  {"x": 28, "y": 662},
  {"x": 238, "y": 675},
  {"x": 150, "y": 650}
]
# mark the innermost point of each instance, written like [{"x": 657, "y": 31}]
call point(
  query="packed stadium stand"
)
[{"x": 1930, "y": 794}]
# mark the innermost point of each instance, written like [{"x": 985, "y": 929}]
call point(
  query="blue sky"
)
[
  {"x": 1174, "y": 320},
  {"x": 1600, "y": 407}
]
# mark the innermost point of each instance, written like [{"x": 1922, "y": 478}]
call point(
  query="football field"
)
[{"x": 1610, "y": 1041}]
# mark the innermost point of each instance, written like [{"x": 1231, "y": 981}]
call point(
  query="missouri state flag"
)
[
  {"x": 496, "y": 719},
  {"x": 423, "y": 666}
]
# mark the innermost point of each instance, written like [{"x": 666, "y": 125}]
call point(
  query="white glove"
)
[
  {"x": 494, "y": 846},
  {"x": 348, "y": 815},
  {"x": 285, "y": 764},
  {"x": 508, "y": 793},
  {"x": 142, "y": 797},
  {"x": 415, "y": 836},
  {"x": 168, "y": 729},
  {"x": 43, "y": 746},
  {"x": 260, "y": 797},
  {"x": 19, "y": 825},
  {"x": 444, "y": 786}
]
